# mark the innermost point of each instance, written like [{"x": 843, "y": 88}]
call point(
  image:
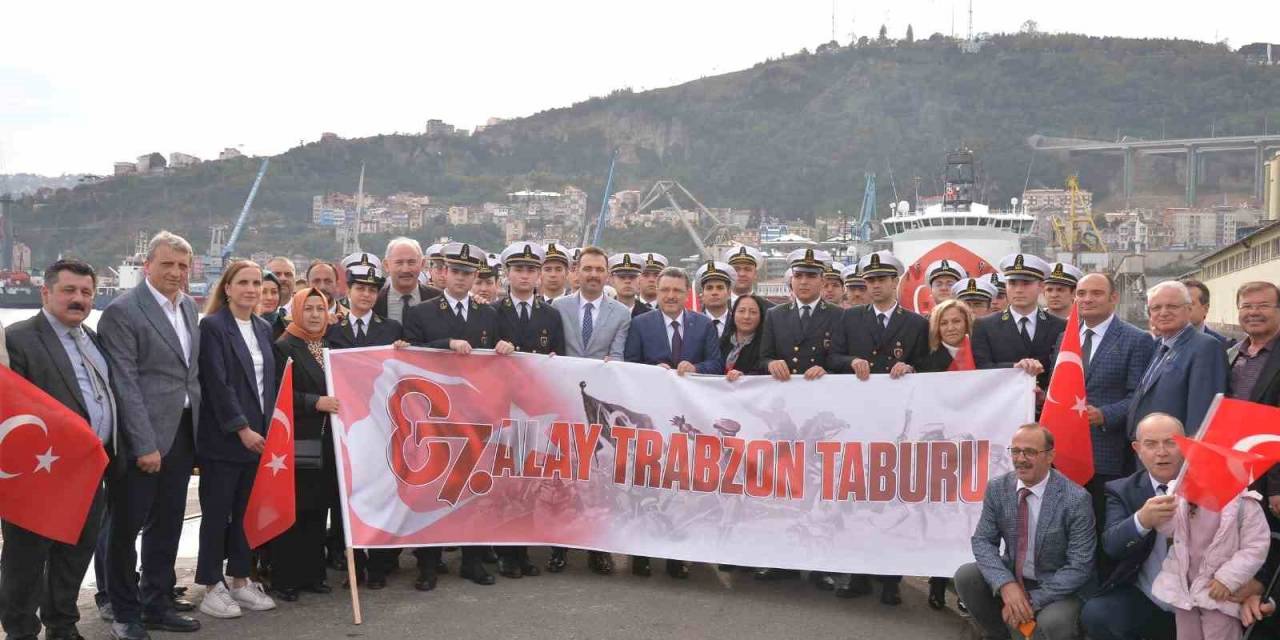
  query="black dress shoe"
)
[
  {"x": 938, "y": 593},
  {"x": 287, "y": 594},
  {"x": 678, "y": 569},
  {"x": 858, "y": 586},
  {"x": 425, "y": 581},
  {"x": 775, "y": 574},
  {"x": 558, "y": 561},
  {"x": 477, "y": 574},
  {"x": 509, "y": 569},
  {"x": 889, "y": 594},
  {"x": 822, "y": 580},
  {"x": 321, "y": 587},
  {"x": 182, "y": 605},
  {"x": 129, "y": 631},
  {"x": 376, "y": 583},
  {"x": 170, "y": 621},
  {"x": 529, "y": 570},
  {"x": 728, "y": 568},
  {"x": 62, "y": 634},
  {"x": 600, "y": 562},
  {"x": 640, "y": 567}
]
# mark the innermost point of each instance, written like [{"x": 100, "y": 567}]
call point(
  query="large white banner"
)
[{"x": 880, "y": 476}]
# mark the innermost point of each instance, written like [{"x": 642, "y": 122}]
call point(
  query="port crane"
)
[
  {"x": 1076, "y": 232},
  {"x": 220, "y": 252}
]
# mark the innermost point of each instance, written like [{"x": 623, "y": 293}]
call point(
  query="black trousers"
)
[
  {"x": 44, "y": 575},
  {"x": 429, "y": 557},
  {"x": 224, "y": 496},
  {"x": 297, "y": 555},
  {"x": 153, "y": 504}
]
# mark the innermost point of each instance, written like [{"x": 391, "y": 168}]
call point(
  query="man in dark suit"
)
[
  {"x": 1200, "y": 311},
  {"x": 1114, "y": 355},
  {"x": 1123, "y": 608},
  {"x": 672, "y": 338},
  {"x": 1023, "y": 335},
  {"x": 880, "y": 337},
  {"x": 152, "y": 337},
  {"x": 797, "y": 340},
  {"x": 56, "y": 353},
  {"x": 1044, "y": 524},
  {"x": 456, "y": 322},
  {"x": 1188, "y": 367},
  {"x": 403, "y": 264},
  {"x": 531, "y": 326}
]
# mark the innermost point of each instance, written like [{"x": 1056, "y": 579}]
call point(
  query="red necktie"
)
[{"x": 1020, "y": 551}]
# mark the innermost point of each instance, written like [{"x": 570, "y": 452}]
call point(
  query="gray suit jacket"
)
[
  {"x": 153, "y": 376},
  {"x": 1065, "y": 539},
  {"x": 608, "y": 339}
]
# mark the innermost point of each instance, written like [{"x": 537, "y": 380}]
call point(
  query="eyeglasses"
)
[
  {"x": 1015, "y": 452},
  {"x": 1259, "y": 306},
  {"x": 1158, "y": 308}
]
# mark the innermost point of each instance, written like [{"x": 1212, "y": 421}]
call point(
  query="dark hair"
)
[
  {"x": 1198, "y": 286},
  {"x": 751, "y": 352},
  {"x": 77, "y": 267},
  {"x": 268, "y": 276},
  {"x": 677, "y": 272},
  {"x": 594, "y": 251},
  {"x": 1255, "y": 286},
  {"x": 1111, "y": 280}
]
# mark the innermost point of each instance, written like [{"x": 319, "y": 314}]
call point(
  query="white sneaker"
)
[
  {"x": 218, "y": 603},
  {"x": 253, "y": 597}
]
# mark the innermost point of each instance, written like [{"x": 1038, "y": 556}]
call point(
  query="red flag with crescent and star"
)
[
  {"x": 51, "y": 461},
  {"x": 272, "y": 505},
  {"x": 1238, "y": 444},
  {"x": 1065, "y": 412}
]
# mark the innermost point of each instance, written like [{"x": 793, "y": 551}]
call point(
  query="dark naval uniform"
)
[
  {"x": 801, "y": 347},
  {"x": 861, "y": 335},
  {"x": 998, "y": 343},
  {"x": 641, "y": 307},
  {"x": 433, "y": 324},
  {"x": 380, "y": 332},
  {"x": 542, "y": 332}
]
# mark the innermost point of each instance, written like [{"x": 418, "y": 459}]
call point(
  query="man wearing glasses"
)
[
  {"x": 1045, "y": 523},
  {"x": 1188, "y": 368}
]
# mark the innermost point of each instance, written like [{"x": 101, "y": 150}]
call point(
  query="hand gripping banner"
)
[{"x": 882, "y": 476}]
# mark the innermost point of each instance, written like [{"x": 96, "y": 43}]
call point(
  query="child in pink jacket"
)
[{"x": 1213, "y": 555}]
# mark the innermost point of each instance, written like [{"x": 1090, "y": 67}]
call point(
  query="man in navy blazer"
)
[
  {"x": 1042, "y": 570},
  {"x": 1115, "y": 355},
  {"x": 652, "y": 334},
  {"x": 1124, "y": 608},
  {"x": 1188, "y": 368}
]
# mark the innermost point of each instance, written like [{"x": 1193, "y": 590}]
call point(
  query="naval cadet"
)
[
  {"x": 855, "y": 287},
  {"x": 976, "y": 293},
  {"x": 942, "y": 275},
  {"x": 1023, "y": 335},
  {"x": 652, "y": 266},
  {"x": 747, "y": 263},
  {"x": 1060, "y": 288},
  {"x": 555, "y": 272},
  {"x": 624, "y": 275},
  {"x": 714, "y": 281}
]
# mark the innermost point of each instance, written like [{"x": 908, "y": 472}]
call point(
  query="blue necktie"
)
[{"x": 587, "y": 325}]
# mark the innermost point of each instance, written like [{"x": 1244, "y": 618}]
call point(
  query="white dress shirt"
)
[
  {"x": 595, "y": 309},
  {"x": 724, "y": 320},
  {"x": 1098, "y": 332},
  {"x": 255, "y": 352},
  {"x": 173, "y": 313},
  {"x": 1033, "y": 515},
  {"x": 453, "y": 304},
  {"x": 361, "y": 329},
  {"x": 1031, "y": 321},
  {"x": 1155, "y": 560},
  {"x": 887, "y": 313},
  {"x": 800, "y": 307}
]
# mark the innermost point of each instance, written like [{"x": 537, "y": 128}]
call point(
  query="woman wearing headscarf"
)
[
  {"x": 297, "y": 555},
  {"x": 269, "y": 302}
]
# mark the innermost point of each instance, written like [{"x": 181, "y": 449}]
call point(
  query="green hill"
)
[{"x": 792, "y": 136}]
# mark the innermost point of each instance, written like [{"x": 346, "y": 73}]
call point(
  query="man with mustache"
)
[{"x": 1044, "y": 524}]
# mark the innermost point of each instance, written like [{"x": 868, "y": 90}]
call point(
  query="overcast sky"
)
[{"x": 84, "y": 84}]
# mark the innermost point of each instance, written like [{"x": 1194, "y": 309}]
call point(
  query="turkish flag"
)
[
  {"x": 272, "y": 505},
  {"x": 1239, "y": 443},
  {"x": 51, "y": 461},
  {"x": 1065, "y": 414}
]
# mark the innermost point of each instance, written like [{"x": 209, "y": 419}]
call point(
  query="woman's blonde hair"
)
[
  {"x": 218, "y": 294},
  {"x": 935, "y": 319}
]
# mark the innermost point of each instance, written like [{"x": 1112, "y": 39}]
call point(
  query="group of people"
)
[{"x": 168, "y": 388}]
